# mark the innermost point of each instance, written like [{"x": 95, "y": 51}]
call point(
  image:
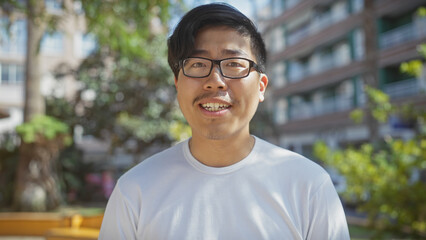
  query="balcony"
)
[
  {"x": 403, "y": 88},
  {"x": 326, "y": 106},
  {"x": 291, "y": 3},
  {"x": 405, "y": 33},
  {"x": 302, "y": 71},
  {"x": 293, "y": 38},
  {"x": 301, "y": 111},
  {"x": 332, "y": 105},
  {"x": 314, "y": 27}
]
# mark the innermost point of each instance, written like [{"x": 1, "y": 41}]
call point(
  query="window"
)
[
  {"x": 13, "y": 40},
  {"x": 84, "y": 45},
  {"x": 357, "y": 5},
  {"x": 52, "y": 44},
  {"x": 297, "y": 69},
  {"x": 53, "y": 5},
  {"x": 358, "y": 44},
  {"x": 280, "y": 111},
  {"x": 78, "y": 7},
  {"x": 11, "y": 74}
]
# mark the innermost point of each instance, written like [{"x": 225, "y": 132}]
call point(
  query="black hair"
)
[{"x": 181, "y": 42}]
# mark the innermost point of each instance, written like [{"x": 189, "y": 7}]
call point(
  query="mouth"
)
[{"x": 214, "y": 107}]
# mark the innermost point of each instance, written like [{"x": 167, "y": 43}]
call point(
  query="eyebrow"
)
[{"x": 225, "y": 52}]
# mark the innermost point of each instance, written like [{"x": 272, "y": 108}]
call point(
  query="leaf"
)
[
  {"x": 413, "y": 67},
  {"x": 357, "y": 116}
]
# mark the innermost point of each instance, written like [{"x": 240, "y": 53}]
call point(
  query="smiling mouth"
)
[{"x": 214, "y": 107}]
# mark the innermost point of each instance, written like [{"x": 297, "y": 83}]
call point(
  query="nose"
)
[{"x": 215, "y": 80}]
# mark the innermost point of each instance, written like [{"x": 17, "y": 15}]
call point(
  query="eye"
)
[
  {"x": 234, "y": 64},
  {"x": 198, "y": 65}
]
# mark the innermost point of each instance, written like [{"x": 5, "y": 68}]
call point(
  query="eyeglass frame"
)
[{"x": 252, "y": 64}]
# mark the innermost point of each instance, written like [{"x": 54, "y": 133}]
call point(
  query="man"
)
[{"x": 222, "y": 183}]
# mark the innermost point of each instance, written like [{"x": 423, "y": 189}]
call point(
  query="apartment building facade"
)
[
  {"x": 318, "y": 60},
  {"x": 66, "y": 46}
]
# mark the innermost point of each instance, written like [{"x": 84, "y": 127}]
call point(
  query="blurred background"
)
[{"x": 86, "y": 93}]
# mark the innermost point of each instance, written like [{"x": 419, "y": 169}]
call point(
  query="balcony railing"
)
[
  {"x": 314, "y": 27},
  {"x": 331, "y": 105},
  {"x": 291, "y": 3},
  {"x": 403, "y": 88},
  {"x": 403, "y": 34},
  {"x": 301, "y": 111},
  {"x": 326, "y": 63},
  {"x": 326, "y": 106},
  {"x": 293, "y": 38}
]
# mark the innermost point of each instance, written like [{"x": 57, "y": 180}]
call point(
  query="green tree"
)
[
  {"x": 42, "y": 140},
  {"x": 127, "y": 95},
  {"x": 30, "y": 161},
  {"x": 128, "y": 33},
  {"x": 387, "y": 180}
]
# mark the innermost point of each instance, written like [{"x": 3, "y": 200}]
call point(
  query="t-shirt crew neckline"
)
[{"x": 219, "y": 170}]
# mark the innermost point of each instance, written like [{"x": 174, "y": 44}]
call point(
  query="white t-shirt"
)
[{"x": 271, "y": 194}]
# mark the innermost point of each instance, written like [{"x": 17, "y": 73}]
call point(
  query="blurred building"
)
[
  {"x": 319, "y": 55},
  {"x": 66, "y": 47}
]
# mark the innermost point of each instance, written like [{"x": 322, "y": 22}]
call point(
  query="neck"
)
[{"x": 221, "y": 153}]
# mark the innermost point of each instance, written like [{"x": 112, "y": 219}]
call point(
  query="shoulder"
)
[
  {"x": 155, "y": 166},
  {"x": 289, "y": 162}
]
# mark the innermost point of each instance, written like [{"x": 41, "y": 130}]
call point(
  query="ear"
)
[{"x": 263, "y": 83}]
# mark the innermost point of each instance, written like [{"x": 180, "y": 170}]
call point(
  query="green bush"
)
[
  {"x": 43, "y": 126},
  {"x": 388, "y": 184}
]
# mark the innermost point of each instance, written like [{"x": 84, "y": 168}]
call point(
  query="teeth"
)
[{"x": 213, "y": 107}]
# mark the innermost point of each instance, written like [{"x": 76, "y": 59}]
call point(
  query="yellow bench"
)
[
  {"x": 83, "y": 228},
  {"x": 30, "y": 224}
]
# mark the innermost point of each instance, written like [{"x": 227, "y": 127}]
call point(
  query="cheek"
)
[
  {"x": 185, "y": 95},
  {"x": 249, "y": 96},
  {"x": 252, "y": 92}
]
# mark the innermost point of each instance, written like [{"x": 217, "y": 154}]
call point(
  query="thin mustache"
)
[{"x": 221, "y": 96}]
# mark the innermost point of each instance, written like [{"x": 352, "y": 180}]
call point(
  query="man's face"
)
[{"x": 217, "y": 107}]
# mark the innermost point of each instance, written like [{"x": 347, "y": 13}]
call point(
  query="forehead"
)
[{"x": 221, "y": 41}]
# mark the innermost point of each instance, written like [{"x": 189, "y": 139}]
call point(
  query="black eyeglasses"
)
[{"x": 199, "y": 67}]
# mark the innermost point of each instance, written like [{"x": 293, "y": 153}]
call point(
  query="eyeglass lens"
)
[{"x": 231, "y": 67}]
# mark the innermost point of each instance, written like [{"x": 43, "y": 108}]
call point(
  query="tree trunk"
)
[
  {"x": 36, "y": 185},
  {"x": 34, "y": 101},
  {"x": 370, "y": 76}
]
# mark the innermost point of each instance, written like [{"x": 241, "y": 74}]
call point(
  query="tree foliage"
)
[
  {"x": 126, "y": 93},
  {"x": 45, "y": 127},
  {"x": 387, "y": 180},
  {"x": 388, "y": 184},
  {"x": 415, "y": 67}
]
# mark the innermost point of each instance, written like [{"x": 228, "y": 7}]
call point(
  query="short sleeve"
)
[
  {"x": 327, "y": 217},
  {"x": 119, "y": 220}
]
